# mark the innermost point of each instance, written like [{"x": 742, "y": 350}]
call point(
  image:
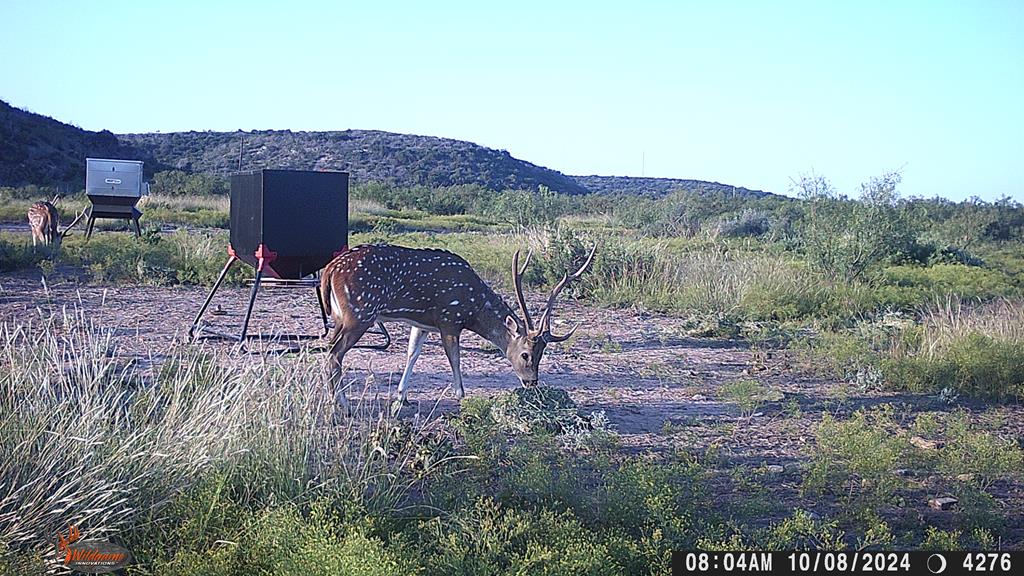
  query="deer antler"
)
[
  {"x": 73, "y": 222},
  {"x": 517, "y": 281},
  {"x": 544, "y": 329}
]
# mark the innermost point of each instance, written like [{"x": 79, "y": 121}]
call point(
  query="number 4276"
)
[{"x": 987, "y": 562}]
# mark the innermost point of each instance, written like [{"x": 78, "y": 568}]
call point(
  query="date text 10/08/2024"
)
[{"x": 794, "y": 562}]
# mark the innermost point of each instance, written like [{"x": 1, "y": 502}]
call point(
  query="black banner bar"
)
[{"x": 799, "y": 563}]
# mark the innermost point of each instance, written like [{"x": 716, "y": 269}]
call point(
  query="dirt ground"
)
[
  {"x": 660, "y": 390},
  {"x": 633, "y": 365}
]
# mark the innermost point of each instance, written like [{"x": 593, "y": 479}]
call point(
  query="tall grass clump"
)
[
  {"x": 83, "y": 441},
  {"x": 104, "y": 444},
  {"x": 976, "y": 350},
  {"x": 703, "y": 281},
  {"x": 192, "y": 210}
]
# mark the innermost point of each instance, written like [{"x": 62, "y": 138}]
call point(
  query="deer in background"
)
[
  {"x": 44, "y": 219},
  {"x": 433, "y": 291}
]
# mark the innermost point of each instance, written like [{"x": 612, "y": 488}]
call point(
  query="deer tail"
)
[{"x": 325, "y": 291}]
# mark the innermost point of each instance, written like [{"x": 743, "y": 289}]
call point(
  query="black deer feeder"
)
[{"x": 287, "y": 225}]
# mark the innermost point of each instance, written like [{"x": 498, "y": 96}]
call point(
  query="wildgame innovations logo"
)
[{"x": 90, "y": 556}]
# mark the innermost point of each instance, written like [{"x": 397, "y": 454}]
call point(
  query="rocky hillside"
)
[
  {"x": 36, "y": 149},
  {"x": 368, "y": 155},
  {"x": 660, "y": 186}
]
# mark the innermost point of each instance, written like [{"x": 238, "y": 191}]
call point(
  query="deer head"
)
[{"x": 527, "y": 340}]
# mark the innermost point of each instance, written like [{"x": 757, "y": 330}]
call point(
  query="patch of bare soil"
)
[
  {"x": 634, "y": 366},
  {"x": 660, "y": 390}
]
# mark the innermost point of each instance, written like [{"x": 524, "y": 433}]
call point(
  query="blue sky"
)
[{"x": 746, "y": 93}]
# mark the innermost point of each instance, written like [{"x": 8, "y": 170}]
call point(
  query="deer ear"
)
[{"x": 512, "y": 325}]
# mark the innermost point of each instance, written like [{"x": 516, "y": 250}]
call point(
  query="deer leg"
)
[
  {"x": 450, "y": 341},
  {"x": 416, "y": 338},
  {"x": 341, "y": 342}
]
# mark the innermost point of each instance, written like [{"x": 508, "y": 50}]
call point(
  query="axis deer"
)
[
  {"x": 433, "y": 291},
  {"x": 44, "y": 220}
]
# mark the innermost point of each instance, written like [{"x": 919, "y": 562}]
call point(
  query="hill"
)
[
  {"x": 661, "y": 186},
  {"x": 368, "y": 155},
  {"x": 36, "y": 149}
]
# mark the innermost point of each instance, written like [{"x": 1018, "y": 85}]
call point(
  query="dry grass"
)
[
  {"x": 704, "y": 281},
  {"x": 93, "y": 441},
  {"x": 188, "y": 203},
  {"x": 949, "y": 320},
  {"x": 366, "y": 206}
]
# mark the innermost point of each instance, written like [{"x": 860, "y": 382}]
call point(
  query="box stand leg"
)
[
  {"x": 383, "y": 332},
  {"x": 252, "y": 300},
  {"x": 88, "y": 230},
  {"x": 231, "y": 260}
]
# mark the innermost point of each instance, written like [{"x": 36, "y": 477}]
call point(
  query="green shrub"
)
[
  {"x": 749, "y": 222},
  {"x": 967, "y": 282},
  {"x": 749, "y": 394},
  {"x": 16, "y": 254},
  {"x": 280, "y": 540},
  {"x": 855, "y": 458},
  {"x": 975, "y": 364},
  {"x": 982, "y": 456},
  {"x": 178, "y": 183},
  {"x": 489, "y": 539},
  {"x": 645, "y": 499},
  {"x": 844, "y": 238}
]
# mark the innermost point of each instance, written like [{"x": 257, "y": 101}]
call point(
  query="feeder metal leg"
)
[
  {"x": 88, "y": 231},
  {"x": 387, "y": 337},
  {"x": 252, "y": 300},
  {"x": 209, "y": 298},
  {"x": 383, "y": 332}
]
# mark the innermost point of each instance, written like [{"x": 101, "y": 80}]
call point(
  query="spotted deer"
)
[
  {"x": 44, "y": 220},
  {"x": 433, "y": 291}
]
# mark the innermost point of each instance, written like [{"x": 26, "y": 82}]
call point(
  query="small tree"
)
[{"x": 844, "y": 238}]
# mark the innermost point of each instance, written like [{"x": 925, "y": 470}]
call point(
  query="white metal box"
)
[{"x": 122, "y": 178}]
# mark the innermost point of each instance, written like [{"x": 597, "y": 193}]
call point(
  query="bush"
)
[
  {"x": 178, "y": 183},
  {"x": 975, "y": 365},
  {"x": 100, "y": 446},
  {"x": 967, "y": 282},
  {"x": 15, "y": 254},
  {"x": 978, "y": 351},
  {"x": 983, "y": 456},
  {"x": 281, "y": 540},
  {"x": 749, "y": 394},
  {"x": 748, "y": 223},
  {"x": 854, "y": 459},
  {"x": 490, "y": 539},
  {"x": 844, "y": 238}
]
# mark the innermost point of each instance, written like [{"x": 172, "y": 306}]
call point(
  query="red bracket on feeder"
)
[
  {"x": 264, "y": 256},
  {"x": 231, "y": 251}
]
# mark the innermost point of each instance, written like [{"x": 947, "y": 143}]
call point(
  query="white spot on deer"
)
[{"x": 454, "y": 303}]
